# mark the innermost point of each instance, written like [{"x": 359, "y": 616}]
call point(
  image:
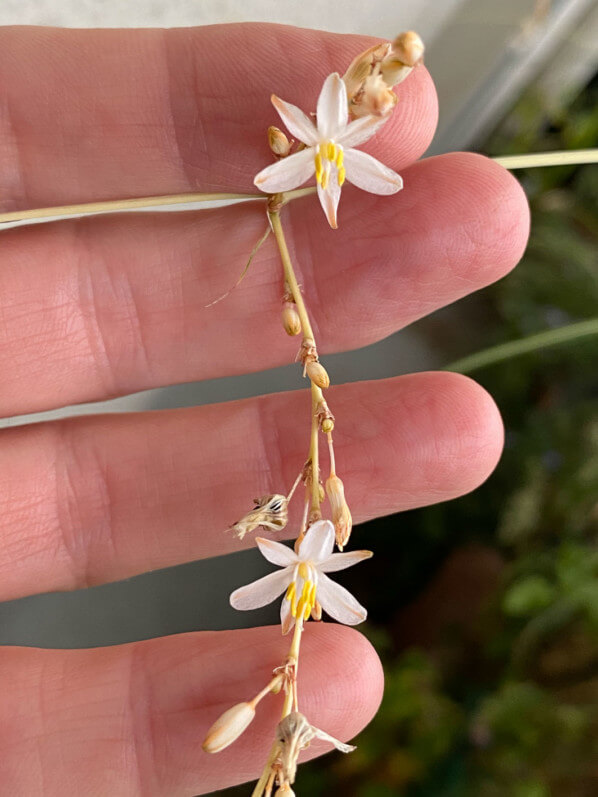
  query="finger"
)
[
  {"x": 130, "y": 720},
  {"x": 96, "y": 114},
  {"x": 100, "y": 498},
  {"x": 96, "y": 308}
]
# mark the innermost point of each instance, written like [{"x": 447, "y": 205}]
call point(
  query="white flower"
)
[
  {"x": 304, "y": 578},
  {"x": 329, "y": 151}
]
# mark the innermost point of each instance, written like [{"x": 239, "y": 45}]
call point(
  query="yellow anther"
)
[
  {"x": 331, "y": 153},
  {"x": 291, "y": 591},
  {"x": 341, "y": 175},
  {"x": 339, "y": 157},
  {"x": 326, "y": 175},
  {"x": 299, "y": 608},
  {"x": 318, "y": 162},
  {"x": 312, "y": 595},
  {"x": 305, "y": 593},
  {"x": 307, "y": 611},
  {"x": 294, "y": 606}
]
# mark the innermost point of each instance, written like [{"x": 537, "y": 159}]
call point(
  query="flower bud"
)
[
  {"x": 318, "y": 374},
  {"x": 228, "y": 727},
  {"x": 279, "y": 143},
  {"x": 290, "y": 318},
  {"x": 408, "y": 48},
  {"x": 341, "y": 515}
]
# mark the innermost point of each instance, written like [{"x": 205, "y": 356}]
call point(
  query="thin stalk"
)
[
  {"x": 287, "y": 707},
  {"x": 113, "y": 205},
  {"x": 515, "y": 348},
  {"x": 572, "y": 157}
]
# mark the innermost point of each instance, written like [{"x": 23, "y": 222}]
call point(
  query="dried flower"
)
[
  {"x": 376, "y": 98},
  {"x": 341, "y": 515},
  {"x": 304, "y": 578},
  {"x": 362, "y": 67},
  {"x": 290, "y": 318},
  {"x": 228, "y": 727},
  {"x": 271, "y": 512},
  {"x": 294, "y": 733},
  {"x": 279, "y": 143},
  {"x": 329, "y": 151}
]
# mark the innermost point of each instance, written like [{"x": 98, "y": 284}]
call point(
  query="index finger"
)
[{"x": 87, "y": 115}]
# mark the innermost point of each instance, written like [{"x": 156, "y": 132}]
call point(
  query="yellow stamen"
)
[
  {"x": 291, "y": 591},
  {"x": 331, "y": 151},
  {"x": 307, "y": 611},
  {"x": 312, "y": 595},
  {"x": 306, "y": 591},
  {"x": 341, "y": 175},
  {"x": 318, "y": 162},
  {"x": 326, "y": 175},
  {"x": 340, "y": 157},
  {"x": 299, "y": 608}
]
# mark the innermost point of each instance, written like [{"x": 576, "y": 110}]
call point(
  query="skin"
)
[{"x": 103, "y": 306}]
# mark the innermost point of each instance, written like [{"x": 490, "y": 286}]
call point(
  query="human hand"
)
[{"x": 104, "y": 306}]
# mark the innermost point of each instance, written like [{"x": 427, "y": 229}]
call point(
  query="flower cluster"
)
[{"x": 350, "y": 110}]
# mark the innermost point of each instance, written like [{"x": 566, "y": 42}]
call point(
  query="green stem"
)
[
  {"x": 572, "y": 157},
  {"x": 515, "y": 348}
]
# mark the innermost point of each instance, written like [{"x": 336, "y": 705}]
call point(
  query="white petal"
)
[
  {"x": 261, "y": 592},
  {"x": 297, "y": 123},
  {"x": 287, "y": 173},
  {"x": 326, "y": 737},
  {"x": 369, "y": 174},
  {"x": 361, "y": 130},
  {"x": 339, "y": 603},
  {"x": 276, "y": 552},
  {"x": 330, "y": 196},
  {"x": 332, "y": 112},
  {"x": 340, "y": 561},
  {"x": 318, "y": 542},
  {"x": 287, "y": 620}
]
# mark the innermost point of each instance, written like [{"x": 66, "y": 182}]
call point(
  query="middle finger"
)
[
  {"x": 101, "y": 307},
  {"x": 95, "y": 499}
]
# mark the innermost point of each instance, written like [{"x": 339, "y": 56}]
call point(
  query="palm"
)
[{"x": 105, "y": 306}]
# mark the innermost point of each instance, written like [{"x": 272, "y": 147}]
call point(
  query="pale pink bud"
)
[
  {"x": 279, "y": 143},
  {"x": 409, "y": 48},
  {"x": 341, "y": 515},
  {"x": 318, "y": 374},
  {"x": 228, "y": 727},
  {"x": 290, "y": 318}
]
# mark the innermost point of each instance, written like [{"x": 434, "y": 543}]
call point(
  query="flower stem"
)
[
  {"x": 308, "y": 333},
  {"x": 515, "y": 348},
  {"x": 573, "y": 157},
  {"x": 287, "y": 707}
]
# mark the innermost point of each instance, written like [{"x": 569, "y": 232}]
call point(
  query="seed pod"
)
[
  {"x": 327, "y": 425},
  {"x": 341, "y": 515},
  {"x": 290, "y": 318},
  {"x": 279, "y": 143},
  {"x": 318, "y": 374},
  {"x": 228, "y": 727}
]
